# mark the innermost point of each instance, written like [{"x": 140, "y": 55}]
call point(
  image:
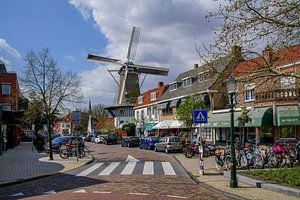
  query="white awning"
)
[{"x": 168, "y": 124}]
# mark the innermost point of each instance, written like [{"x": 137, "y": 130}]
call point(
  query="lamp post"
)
[{"x": 231, "y": 89}]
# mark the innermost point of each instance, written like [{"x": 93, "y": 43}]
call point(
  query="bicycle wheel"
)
[
  {"x": 227, "y": 163},
  {"x": 64, "y": 154},
  {"x": 259, "y": 160},
  {"x": 218, "y": 163},
  {"x": 87, "y": 152},
  {"x": 81, "y": 153},
  {"x": 189, "y": 153},
  {"x": 272, "y": 160}
]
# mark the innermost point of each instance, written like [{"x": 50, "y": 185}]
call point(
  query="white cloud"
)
[
  {"x": 6, "y": 47},
  {"x": 169, "y": 31},
  {"x": 70, "y": 58},
  {"x": 6, "y": 62}
]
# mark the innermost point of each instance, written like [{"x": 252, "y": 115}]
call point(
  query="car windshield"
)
[
  {"x": 60, "y": 139},
  {"x": 174, "y": 139},
  {"x": 156, "y": 139}
]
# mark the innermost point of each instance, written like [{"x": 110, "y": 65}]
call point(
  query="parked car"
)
[
  {"x": 89, "y": 138},
  {"x": 131, "y": 141},
  {"x": 168, "y": 144},
  {"x": 149, "y": 142},
  {"x": 111, "y": 139},
  {"x": 99, "y": 139},
  {"x": 59, "y": 141}
]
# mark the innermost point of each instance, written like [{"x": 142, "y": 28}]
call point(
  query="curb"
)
[
  {"x": 43, "y": 175},
  {"x": 205, "y": 185},
  {"x": 266, "y": 185}
]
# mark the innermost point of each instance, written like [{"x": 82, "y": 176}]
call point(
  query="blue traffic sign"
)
[{"x": 200, "y": 116}]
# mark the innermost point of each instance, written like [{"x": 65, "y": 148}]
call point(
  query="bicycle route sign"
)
[{"x": 200, "y": 116}]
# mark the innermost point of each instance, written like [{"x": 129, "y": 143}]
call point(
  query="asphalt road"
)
[{"x": 116, "y": 173}]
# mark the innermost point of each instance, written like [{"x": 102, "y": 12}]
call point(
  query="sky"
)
[{"x": 73, "y": 29}]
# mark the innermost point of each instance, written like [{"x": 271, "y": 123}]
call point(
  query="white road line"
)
[
  {"x": 177, "y": 196},
  {"x": 168, "y": 169},
  {"x": 80, "y": 191},
  {"x": 109, "y": 169},
  {"x": 90, "y": 169},
  {"x": 128, "y": 168},
  {"x": 144, "y": 194},
  {"x": 148, "y": 168},
  {"x": 101, "y": 192},
  {"x": 17, "y": 194}
]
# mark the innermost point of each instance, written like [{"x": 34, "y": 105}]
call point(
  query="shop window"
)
[
  {"x": 5, "y": 107},
  {"x": 6, "y": 89},
  {"x": 287, "y": 132},
  {"x": 206, "y": 133}
]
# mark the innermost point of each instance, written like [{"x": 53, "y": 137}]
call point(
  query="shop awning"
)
[
  {"x": 174, "y": 103},
  {"x": 260, "y": 117},
  {"x": 149, "y": 127},
  {"x": 162, "y": 106},
  {"x": 163, "y": 124},
  {"x": 287, "y": 115},
  {"x": 177, "y": 124},
  {"x": 222, "y": 120}
]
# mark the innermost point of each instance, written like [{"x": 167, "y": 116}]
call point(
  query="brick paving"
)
[{"x": 214, "y": 179}]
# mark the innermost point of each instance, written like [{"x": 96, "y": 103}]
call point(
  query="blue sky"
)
[{"x": 72, "y": 29}]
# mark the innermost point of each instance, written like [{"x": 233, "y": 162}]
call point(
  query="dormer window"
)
[
  {"x": 203, "y": 76},
  {"x": 187, "y": 81},
  {"x": 140, "y": 99},
  {"x": 153, "y": 96},
  {"x": 173, "y": 86}
]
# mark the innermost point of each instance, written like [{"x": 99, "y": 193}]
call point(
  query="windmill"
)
[{"x": 129, "y": 84}]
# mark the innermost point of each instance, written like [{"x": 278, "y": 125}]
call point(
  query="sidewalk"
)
[
  {"x": 216, "y": 180},
  {"x": 24, "y": 162}
]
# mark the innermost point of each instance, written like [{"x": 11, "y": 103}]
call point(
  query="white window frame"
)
[
  {"x": 140, "y": 99},
  {"x": 288, "y": 82},
  {"x": 187, "y": 81},
  {"x": 171, "y": 84},
  {"x": 249, "y": 94},
  {"x": 6, "y": 107},
  {"x": 153, "y": 96}
]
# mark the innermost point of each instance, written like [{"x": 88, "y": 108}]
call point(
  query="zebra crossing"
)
[{"x": 130, "y": 168}]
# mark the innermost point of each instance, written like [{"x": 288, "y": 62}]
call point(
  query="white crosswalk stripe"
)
[
  {"x": 168, "y": 169},
  {"x": 108, "y": 170},
  {"x": 148, "y": 168},
  {"x": 129, "y": 168},
  {"x": 90, "y": 170}
]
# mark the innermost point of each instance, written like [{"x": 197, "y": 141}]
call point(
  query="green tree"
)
[
  {"x": 184, "y": 112},
  {"x": 129, "y": 128},
  {"x": 48, "y": 89}
]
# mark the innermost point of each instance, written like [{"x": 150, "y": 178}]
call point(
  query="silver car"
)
[{"x": 167, "y": 144}]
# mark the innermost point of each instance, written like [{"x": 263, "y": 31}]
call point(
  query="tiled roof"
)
[
  {"x": 215, "y": 68},
  {"x": 279, "y": 58},
  {"x": 146, "y": 95}
]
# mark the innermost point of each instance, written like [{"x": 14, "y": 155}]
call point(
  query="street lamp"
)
[{"x": 231, "y": 89}]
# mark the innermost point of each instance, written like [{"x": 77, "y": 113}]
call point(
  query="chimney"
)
[
  {"x": 2, "y": 68},
  {"x": 196, "y": 66},
  {"x": 160, "y": 84},
  {"x": 267, "y": 54}
]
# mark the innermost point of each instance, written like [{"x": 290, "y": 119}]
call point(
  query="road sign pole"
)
[{"x": 201, "y": 160}]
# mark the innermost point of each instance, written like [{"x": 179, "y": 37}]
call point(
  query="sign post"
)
[
  {"x": 76, "y": 118},
  {"x": 200, "y": 117}
]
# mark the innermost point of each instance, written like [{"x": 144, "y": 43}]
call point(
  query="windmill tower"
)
[{"x": 128, "y": 82}]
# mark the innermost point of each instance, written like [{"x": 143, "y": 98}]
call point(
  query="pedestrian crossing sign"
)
[{"x": 200, "y": 116}]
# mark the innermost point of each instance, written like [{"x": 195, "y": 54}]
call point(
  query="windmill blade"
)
[
  {"x": 135, "y": 36},
  {"x": 103, "y": 59},
  {"x": 151, "y": 70}
]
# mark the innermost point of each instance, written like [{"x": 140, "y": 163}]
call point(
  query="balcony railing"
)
[{"x": 278, "y": 95}]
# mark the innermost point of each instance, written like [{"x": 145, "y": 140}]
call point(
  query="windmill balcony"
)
[{"x": 278, "y": 95}]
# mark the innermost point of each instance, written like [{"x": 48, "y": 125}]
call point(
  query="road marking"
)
[
  {"x": 168, "y": 169},
  {"x": 148, "y": 168},
  {"x": 80, "y": 191},
  {"x": 144, "y": 194},
  {"x": 128, "y": 168},
  {"x": 109, "y": 169},
  {"x": 177, "y": 196},
  {"x": 90, "y": 169},
  {"x": 50, "y": 192},
  {"x": 17, "y": 194},
  {"x": 102, "y": 192},
  {"x": 131, "y": 159}
]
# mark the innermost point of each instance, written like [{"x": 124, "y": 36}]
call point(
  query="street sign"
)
[
  {"x": 76, "y": 117},
  {"x": 200, "y": 116}
]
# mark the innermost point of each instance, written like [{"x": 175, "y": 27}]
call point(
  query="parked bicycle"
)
[
  {"x": 69, "y": 150},
  {"x": 222, "y": 160}
]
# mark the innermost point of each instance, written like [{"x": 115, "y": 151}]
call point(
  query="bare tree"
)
[
  {"x": 44, "y": 82},
  {"x": 253, "y": 24}
]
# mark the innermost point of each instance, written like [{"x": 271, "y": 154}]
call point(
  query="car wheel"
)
[
  {"x": 155, "y": 149},
  {"x": 141, "y": 147},
  {"x": 166, "y": 150},
  {"x": 122, "y": 145}
]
